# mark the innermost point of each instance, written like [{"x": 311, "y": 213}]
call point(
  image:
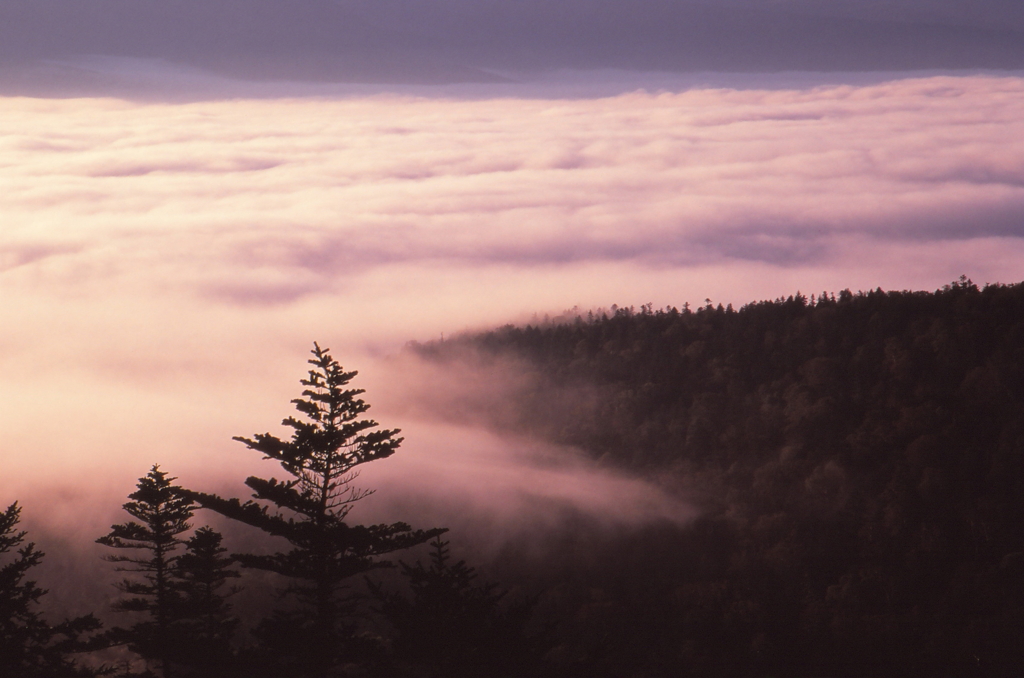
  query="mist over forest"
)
[{"x": 826, "y": 484}]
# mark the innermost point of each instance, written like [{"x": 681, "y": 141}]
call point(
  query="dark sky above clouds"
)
[{"x": 424, "y": 41}]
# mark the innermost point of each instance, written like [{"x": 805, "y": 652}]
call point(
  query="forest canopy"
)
[{"x": 859, "y": 458}]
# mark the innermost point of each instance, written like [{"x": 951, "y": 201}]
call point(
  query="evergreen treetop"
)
[{"x": 326, "y": 448}]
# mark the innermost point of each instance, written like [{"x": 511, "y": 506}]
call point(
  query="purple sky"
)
[{"x": 419, "y": 41}]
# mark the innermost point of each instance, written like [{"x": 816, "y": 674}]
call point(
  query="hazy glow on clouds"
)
[{"x": 164, "y": 268}]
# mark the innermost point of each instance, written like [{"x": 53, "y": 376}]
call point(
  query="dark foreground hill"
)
[{"x": 859, "y": 459}]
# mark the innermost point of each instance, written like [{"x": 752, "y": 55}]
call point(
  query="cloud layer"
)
[
  {"x": 165, "y": 267},
  {"x": 265, "y": 202}
]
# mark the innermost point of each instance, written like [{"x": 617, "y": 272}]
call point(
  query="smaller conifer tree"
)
[
  {"x": 453, "y": 627},
  {"x": 30, "y": 647},
  {"x": 204, "y": 612},
  {"x": 162, "y": 515}
]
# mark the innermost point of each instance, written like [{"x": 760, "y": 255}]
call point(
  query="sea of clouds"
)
[{"x": 165, "y": 267}]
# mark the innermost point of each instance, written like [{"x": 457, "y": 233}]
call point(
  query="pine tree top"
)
[
  {"x": 162, "y": 511},
  {"x": 326, "y": 445}
]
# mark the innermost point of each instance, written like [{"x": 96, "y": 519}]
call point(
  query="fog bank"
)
[{"x": 166, "y": 267}]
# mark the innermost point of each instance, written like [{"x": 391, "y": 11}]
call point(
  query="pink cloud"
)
[{"x": 164, "y": 267}]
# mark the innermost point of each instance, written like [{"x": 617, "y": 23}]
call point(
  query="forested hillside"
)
[
  {"x": 855, "y": 463},
  {"x": 859, "y": 460}
]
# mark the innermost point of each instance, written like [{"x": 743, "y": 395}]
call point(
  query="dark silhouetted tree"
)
[
  {"x": 317, "y": 637},
  {"x": 203, "y": 611},
  {"x": 453, "y": 627},
  {"x": 30, "y": 647},
  {"x": 162, "y": 514}
]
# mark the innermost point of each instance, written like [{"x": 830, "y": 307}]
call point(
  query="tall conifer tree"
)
[{"x": 327, "y": 445}]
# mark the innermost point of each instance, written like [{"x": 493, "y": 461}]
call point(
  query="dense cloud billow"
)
[
  {"x": 165, "y": 267},
  {"x": 270, "y": 202},
  {"x": 471, "y": 41}
]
